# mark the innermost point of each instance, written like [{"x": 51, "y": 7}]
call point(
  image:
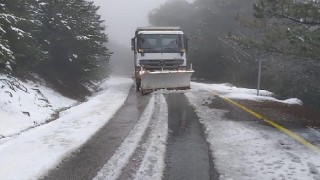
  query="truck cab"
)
[{"x": 158, "y": 49}]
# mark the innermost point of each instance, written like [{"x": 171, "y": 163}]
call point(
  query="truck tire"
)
[{"x": 138, "y": 85}]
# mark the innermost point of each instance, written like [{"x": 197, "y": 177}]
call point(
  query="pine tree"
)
[
  {"x": 73, "y": 38},
  {"x": 19, "y": 49},
  {"x": 290, "y": 27},
  {"x": 287, "y": 30},
  {"x": 207, "y": 23}
]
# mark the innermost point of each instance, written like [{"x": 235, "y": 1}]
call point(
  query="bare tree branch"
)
[
  {"x": 14, "y": 84},
  {"x": 305, "y": 22}
]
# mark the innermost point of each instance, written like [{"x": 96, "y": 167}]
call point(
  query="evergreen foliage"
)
[
  {"x": 227, "y": 37},
  {"x": 289, "y": 27},
  {"x": 61, "y": 39},
  {"x": 72, "y": 37},
  {"x": 207, "y": 22},
  {"x": 181, "y": 10},
  {"x": 289, "y": 32},
  {"x": 19, "y": 48}
]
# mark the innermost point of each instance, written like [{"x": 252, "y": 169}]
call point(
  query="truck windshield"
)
[{"x": 160, "y": 43}]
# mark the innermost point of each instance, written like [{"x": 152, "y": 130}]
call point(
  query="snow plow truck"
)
[{"x": 160, "y": 59}]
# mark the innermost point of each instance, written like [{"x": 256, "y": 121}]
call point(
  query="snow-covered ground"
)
[
  {"x": 32, "y": 153},
  {"x": 230, "y": 91},
  {"x": 152, "y": 166},
  {"x": 240, "y": 150},
  {"x": 26, "y": 104},
  {"x": 243, "y": 150}
]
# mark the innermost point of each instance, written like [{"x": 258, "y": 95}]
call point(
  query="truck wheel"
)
[
  {"x": 138, "y": 85},
  {"x": 145, "y": 92}
]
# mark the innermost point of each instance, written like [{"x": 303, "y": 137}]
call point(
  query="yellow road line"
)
[{"x": 277, "y": 126}]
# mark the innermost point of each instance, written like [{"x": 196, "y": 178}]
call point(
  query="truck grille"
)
[{"x": 161, "y": 64}]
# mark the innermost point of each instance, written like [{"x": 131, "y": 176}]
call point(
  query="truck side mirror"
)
[
  {"x": 133, "y": 44},
  {"x": 185, "y": 42}
]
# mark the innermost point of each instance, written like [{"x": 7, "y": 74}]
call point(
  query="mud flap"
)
[{"x": 166, "y": 80}]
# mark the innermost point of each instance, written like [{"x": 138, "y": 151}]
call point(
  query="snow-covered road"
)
[
  {"x": 151, "y": 165},
  {"x": 240, "y": 146}
]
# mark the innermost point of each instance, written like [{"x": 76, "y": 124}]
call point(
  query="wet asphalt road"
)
[
  {"x": 188, "y": 155},
  {"x": 187, "y": 152},
  {"x": 89, "y": 159}
]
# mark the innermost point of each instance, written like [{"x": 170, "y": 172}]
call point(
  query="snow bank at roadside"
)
[
  {"x": 26, "y": 104},
  {"x": 48, "y": 144},
  {"x": 230, "y": 91}
]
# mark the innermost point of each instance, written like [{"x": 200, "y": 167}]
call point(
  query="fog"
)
[{"x": 123, "y": 16}]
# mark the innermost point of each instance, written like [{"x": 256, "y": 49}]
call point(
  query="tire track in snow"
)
[
  {"x": 113, "y": 168},
  {"x": 153, "y": 163},
  {"x": 136, "y": 159},
  {"x": 153, "y": 126}
]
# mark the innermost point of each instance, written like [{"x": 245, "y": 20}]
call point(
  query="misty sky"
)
[{"x": 123, "y": 16}]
